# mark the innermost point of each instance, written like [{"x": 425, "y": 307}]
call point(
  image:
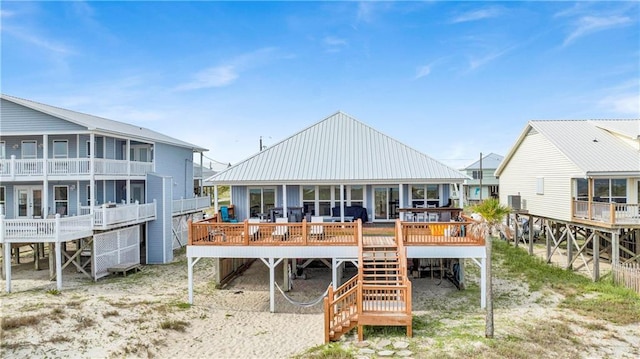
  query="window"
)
[
  {"x": 423, "y": 195},
  {"x": 29, "y": 150},
  {"x": 582, "y": 189},
  {"x": 261, "y": 200},
  {"x": 476, "y": 174},
  {"x": 60, "y": 149},
  {"x": 309, "y": 199},
  {"x": 610, "y": 190},
  {"x": 324, "y": 200},
  {"x": 61, "y": 199},
  {"x": 540, "y": 185},
  {"x": 3, "y": 150},
  {"x": 88, "y": 148},
  {"x": 89, "y": 195},
  {"x": 356, "y": 196}
]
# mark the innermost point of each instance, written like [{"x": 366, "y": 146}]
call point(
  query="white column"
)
[
  {"x": 190, "y": 278},
  {"x": 334, "y": 273},
  {"x": 92, "y": 171},
  {"x": 615, "y": 248},
  {"x": 272, "y": 289},
  {"x": 7, "y": 262},
  {"x": 285, "y": 275},
  {"x": 461, "y": 195},
  {"x": 45, "y": 183},
  {"x": 284, "y": 201},
  {"x": 342, "y": 203},
  {"x": 58, "y": 266},
  {"x": 401, "y": 202},
  {"x": 129, "y": 159},
  {"x": 215, "y": 198}
]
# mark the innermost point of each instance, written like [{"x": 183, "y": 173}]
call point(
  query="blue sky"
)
[{"x": 450, "y": 79}]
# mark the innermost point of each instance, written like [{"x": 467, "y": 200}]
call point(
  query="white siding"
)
[{"x": 537, "y": 157}]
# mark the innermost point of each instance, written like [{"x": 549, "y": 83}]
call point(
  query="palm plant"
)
[{"x": 492, "y": 215}]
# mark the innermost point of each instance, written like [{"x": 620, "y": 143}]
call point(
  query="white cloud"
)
[
  {"x": 423, "y": 71},
  {"x": 475, "y": 63},
  {"x": 39, "y": 41},
  {"x": 334, "y": 44},
  {"x": 590, "y": 24},
  {"x": 218, "y": 76},
  {"x": 6, "y": 13},
  {"x": 477, "y": 15},
  {"x": 227, "y": 73},
  {"x": 624, "y": 104}
]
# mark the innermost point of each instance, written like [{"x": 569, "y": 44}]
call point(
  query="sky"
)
[{"x": 449, "y": 79}]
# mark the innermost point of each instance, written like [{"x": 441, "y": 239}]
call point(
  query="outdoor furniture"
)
[
  {"x": 281, "y": 231},
  {"x": 224, "y": 215},
  {"x": 253, "y": 229},
  {"x": 317, "y": 230}
]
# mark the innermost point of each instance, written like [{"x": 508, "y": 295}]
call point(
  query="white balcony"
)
[
  {"x": 190, "y": 205},
  {"x": 71, "y": 167},
  {"x": 57, "y": 229},
  {"x": 111, "y": 215}
]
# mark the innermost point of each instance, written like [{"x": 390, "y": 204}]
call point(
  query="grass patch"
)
[
  {"x": 328, "y": 351},
  {"x": 183, "y": 305},
  {"x": 53, "y": 292},
  {"x": 59, "y": 339},
  {"x": 111, "y": 313},
  {"x": 177, "y": 325},
  {"x": 18, "y": 322}
]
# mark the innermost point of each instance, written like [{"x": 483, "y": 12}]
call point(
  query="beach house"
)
[
  {"x": 324, "y": 193},
  {"x": 101, "y": 194},
  {"x": 483, "y": 183},
  {"x": 581, "y": 178}
]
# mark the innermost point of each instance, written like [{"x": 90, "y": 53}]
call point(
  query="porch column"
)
[
  {"x": 461, "y": 195},
  {"x": 92, "y": 172},
  {"x": 401, "y": 202},
  {"x": 285, "y": 276},
  {"x": 284, "y": 201},
  {"x": 272, "y": 289},
  {"x": 596, "y": 257},
  {"x": 7, "y": 265},
  {"x": 45, "y": 182},
  {"x": 589, "y": 198},
  {"x": 190, "y": 278},
  {"x": 128, "y": 195},
  {"x": 201, "y": 174},
  {"x": 58, "y": 266},
  {"x": 531, "y": 219},
  {"x": 342, "y": 203},
  {"x": 215, "y": 198}
]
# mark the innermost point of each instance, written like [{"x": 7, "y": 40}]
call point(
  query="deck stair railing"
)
[{"x": 382, "y": 288}]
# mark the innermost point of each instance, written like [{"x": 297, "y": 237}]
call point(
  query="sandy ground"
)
[{"x": 145, "y": 315}]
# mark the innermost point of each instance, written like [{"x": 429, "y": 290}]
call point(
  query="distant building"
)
[{"x": 484, "y": 183}]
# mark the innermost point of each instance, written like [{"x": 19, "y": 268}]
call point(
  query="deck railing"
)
[
  {"x": 186, "y": 205},
  {"x": 50, "y": 229},
  {"x": 208, "y": 233},
  {"x": 612, "y": 213},
  {"x": 272, "y": 234},
  {"x": 72, "y": 167},
  {"x": 340, "y": 307},
  {"x": 110, "y": 214},
  {"x": 438, "y": 234}
]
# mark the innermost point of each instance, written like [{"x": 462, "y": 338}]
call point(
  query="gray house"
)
[
  {"x": 121, "y": 193},
  {"x": 338, "y": 168},
  {"x": 483, "y": 183}
]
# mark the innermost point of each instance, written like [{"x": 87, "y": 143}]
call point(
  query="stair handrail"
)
[{"x": 335, "y": 303}]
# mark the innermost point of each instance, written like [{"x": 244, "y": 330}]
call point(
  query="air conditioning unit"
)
[{"x": 514, "y": 202}]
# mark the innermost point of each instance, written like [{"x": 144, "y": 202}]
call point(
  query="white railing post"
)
[
  {"x": 155, "y": 209},
  {"x": 13, "y": 167},
  {"x": 58, "y": 254},
  {"x": 137, "y": 210},
  {"x": 104, "y": 214}
]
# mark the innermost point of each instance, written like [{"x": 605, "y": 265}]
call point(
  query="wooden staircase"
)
[{"x": 379, "y": 295}]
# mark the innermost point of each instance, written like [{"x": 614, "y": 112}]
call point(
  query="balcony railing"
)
[
  {"x": 57, "y": 229},
  {"x": 111, "y": 214},
  {"x": 72, "y": 167},
  {"x": 611, "y": 213},
  {"x": 191, "y": 204}
]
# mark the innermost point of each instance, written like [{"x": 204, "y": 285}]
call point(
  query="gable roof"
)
[
  {"x": 338, "y": 148},
  {"x": 95, "y": 123},
  {"x": 590, "y": 144},
  {"x": 490, "y": 161}
]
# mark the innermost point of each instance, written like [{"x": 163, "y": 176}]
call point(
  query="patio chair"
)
[
  {"x": 317, "y": 230},
  {"x": 224, "y": 215},
  {"x": 253, "y": 229},
  {"x": 281, "y": 231}
]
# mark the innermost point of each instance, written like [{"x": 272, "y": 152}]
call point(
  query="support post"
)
[
  {"x": 570, "y": 240},
  {"x": 596, "y": 257},
  {"x": 7, "y": 265},
  {"x": 483, "y": 283},
  {"x": 217, "y": 268},
  {"x": 615, "y": 248},
  {"x": 58, "y": 265},
  {"x": 285, "y": 275},
  {"x": 190, "y": 276},
  {"x": 272, "y": 289},
  {"x": 530, "y": 235}
]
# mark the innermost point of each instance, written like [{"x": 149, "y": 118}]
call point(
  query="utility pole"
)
[
  {"x": 481, "y": 175},
  {"x": 260, "y": 143}
]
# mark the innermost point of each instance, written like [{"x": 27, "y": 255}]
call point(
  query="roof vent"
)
[{"x": 595, "y": 140}]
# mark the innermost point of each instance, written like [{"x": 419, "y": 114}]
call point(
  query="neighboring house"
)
[
  {"x": 581, "y": 175},
  {"x": 483, "y": 184},
  {"x": 338, "y": 163},
  {"x": 119, "y": 190}
]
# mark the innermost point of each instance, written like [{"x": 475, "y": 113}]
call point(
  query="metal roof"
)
[
  {"x": 338, "y": 149},
  {"x": 95, "y": 123},
  {"x": 590, "y": 144},
  {"x": 490, "y": 161}
]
